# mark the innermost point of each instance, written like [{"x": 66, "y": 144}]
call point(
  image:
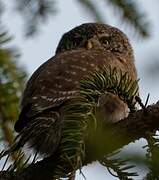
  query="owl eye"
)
[
  {"x": 105, "y": 40},
  {"x": 78, "y": 39}
]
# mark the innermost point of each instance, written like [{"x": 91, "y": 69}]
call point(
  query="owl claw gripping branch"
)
[{"x": 81, "y": 51}]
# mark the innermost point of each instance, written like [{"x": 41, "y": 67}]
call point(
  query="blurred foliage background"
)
[{"x": 35, "y": 15}]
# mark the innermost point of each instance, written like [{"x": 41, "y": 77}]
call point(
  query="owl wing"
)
[{"x": 57, "y": 80}]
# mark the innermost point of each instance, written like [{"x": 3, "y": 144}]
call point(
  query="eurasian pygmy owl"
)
[{"x": 82, "y": 50}]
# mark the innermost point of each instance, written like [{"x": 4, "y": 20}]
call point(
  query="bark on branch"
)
[{"x": 136, "y": 125}]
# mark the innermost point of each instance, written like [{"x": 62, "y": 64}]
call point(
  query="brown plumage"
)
[{"x": 82, "y": 50}]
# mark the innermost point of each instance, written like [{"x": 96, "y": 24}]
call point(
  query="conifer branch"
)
[{"x": 132, "y": 128}]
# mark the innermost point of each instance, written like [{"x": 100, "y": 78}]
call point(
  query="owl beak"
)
[{"x": 89, "y": 45}]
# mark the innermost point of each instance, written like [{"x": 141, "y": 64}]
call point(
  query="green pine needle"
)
[{"x": 80, "y": 114}]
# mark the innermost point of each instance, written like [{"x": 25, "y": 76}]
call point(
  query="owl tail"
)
[
  {"x": 11, "y": 150},
  {"x": 17, "y": 144},
  {"x": 42, "y": 134}
]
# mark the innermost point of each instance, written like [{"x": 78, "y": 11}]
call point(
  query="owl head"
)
[{"x": 96, "y": 36}]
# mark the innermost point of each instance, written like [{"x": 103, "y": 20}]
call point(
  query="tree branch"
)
[{"x": 136, "y": 125}]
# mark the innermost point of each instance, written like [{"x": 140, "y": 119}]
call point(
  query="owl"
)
[{"x": 81, "y": 51}]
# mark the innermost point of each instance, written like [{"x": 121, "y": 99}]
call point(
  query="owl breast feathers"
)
[{"x": 82, "y": 50}]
